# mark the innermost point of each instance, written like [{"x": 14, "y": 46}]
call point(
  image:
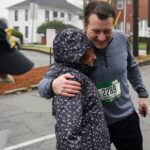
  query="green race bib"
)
[{"x": 109, "y": 91}]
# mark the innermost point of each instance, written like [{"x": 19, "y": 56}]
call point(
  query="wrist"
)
[
  {"x": 51, "y": 87},
  {"x": 142, "y": 93}
]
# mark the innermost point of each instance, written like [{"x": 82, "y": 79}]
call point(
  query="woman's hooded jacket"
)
[{"x": 80, "y": 123}]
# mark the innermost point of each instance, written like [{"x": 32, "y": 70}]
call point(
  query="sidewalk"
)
[{"x": 3, "y": 138}]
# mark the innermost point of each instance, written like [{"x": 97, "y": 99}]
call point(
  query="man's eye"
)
[
  {"x": 96, "y": 32},
  {"x": 107, "y": 32}
]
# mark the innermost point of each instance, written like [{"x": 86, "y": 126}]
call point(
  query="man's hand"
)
[
  {"x": 64, "y": 86},
  {"x": 143, "y": 107}
]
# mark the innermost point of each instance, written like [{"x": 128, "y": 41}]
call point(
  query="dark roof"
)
[{"x": 61, "y": 4}]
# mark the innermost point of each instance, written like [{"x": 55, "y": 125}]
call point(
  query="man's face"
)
[{"x": 99, "y": 32}]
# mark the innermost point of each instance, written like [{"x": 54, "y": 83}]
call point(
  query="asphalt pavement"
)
[
  {"x": 29, "y": 125},
  {"x": 39, "y": 59}
]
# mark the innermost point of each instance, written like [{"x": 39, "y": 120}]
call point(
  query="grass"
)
[
  {"x": 44, "y": 48},
  {"x": 37, "y": 47},
  {"x": 142, "y": 46}
]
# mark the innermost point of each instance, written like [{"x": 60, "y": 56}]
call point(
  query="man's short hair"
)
[{"x": 102, "y": 9}]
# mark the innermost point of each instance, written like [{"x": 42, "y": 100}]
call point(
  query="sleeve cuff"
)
[{"x": 142, "y": 93}]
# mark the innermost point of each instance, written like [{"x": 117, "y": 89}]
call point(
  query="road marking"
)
[{"x": 27, "y": 143}]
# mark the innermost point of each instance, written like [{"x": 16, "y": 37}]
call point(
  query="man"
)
[{"x": 116, "y": 65}]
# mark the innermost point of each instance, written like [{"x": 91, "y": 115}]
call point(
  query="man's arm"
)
[
  {"x": 62, "y": 85},
  {"x": 65, "y": 86},
  {"x": 136, "y": 81},
  {"x": 44, "y": 86}
]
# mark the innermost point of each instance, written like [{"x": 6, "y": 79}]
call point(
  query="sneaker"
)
[{"x": 8, "y": 79}]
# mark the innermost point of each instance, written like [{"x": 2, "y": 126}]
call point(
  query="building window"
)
[
  {"x": 55, "y": 14},
  {"x": 62, "y": 15},
  {"x": 16, "y": 28},
  {"x": 26, "y": 15},
  {"x": 46, "y": 15},
  {"x": 69, "y": 17},
  {"x": 120, "y": 26},
  {"x": 16, "y": 15},
  {"x": 128, "y": 27},
  {"x": 120, "y": 4},
  {"x": 143, "y": 24},
  {"x": 26, "y": 32}
]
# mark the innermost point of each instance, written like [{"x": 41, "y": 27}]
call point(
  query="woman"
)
[{"x": 80, "y": 123}]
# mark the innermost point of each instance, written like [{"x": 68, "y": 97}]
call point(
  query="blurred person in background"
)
[{"x": 11, "y": 61}]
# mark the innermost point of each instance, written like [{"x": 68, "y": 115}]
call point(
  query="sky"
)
[{"x": 6, "y": 3}]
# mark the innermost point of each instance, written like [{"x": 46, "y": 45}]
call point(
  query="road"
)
[
  {"x": 39, "y": 59},
  {"x": 28, "y": 118}
]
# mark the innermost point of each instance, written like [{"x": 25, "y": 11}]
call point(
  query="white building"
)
[{"x": 26, "y": 16}]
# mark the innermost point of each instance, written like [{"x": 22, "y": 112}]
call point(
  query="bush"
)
[
  {"x": 57, "y": 25},
  {"x": 18, "y": 35}
]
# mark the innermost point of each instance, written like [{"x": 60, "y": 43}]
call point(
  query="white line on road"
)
[{"x": 27, "y": 143}]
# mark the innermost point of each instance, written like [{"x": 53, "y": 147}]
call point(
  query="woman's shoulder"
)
[{"x": 78, "y": 76}]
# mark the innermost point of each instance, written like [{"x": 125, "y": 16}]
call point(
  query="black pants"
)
[{"x": 126, "y": 134}]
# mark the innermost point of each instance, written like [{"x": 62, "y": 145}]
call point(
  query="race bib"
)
[{"x": 109, "y": 91}]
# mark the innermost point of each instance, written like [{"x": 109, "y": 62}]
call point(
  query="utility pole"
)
[
  {"x": 124, "y": 18},
  {"x": 148, "y": 29},
  {"x": 135, "y": 27},
  {"x": 33, "y": 17}
]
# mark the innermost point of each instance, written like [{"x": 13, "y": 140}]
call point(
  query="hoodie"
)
[{"x": 80, "y": 122}]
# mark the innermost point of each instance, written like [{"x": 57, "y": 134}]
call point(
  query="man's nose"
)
[{"x": 101, "y": 36}]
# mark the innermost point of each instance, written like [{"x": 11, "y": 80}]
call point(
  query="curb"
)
[
  {"x": 20, "y": 90},
  {"x": 36, "y": 50},
  {"x": 144, "y": 63}
]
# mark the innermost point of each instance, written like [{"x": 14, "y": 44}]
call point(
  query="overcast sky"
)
[{"x": 6, "y": 3}]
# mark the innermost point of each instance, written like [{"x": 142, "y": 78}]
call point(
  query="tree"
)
[
  {"x": 57, "y": 25},
  {"x": 18, "y": 35}
]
